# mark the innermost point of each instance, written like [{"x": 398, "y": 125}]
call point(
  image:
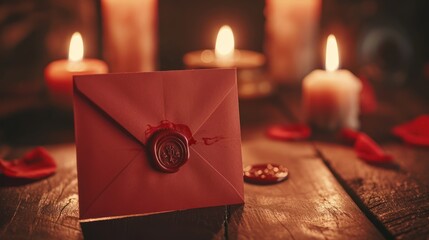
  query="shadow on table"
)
[
  {"x": 16, "y": 182},
  {"x": 234, "y": 220},
  {"x": 205, "y": 223},
  {"x": 38, "y": 126}
]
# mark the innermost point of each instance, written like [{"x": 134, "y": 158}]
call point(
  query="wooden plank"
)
[
  {"x": 48, "y": 209},
  {"x": 411, "y": 159},
  {"x": 399, "y": 193},
  {"x": 204, "y": 223},
  {"x": 396, "y": 196},
  {"x": 310, "y": 204},
  {"x": 42, "y": 209}
]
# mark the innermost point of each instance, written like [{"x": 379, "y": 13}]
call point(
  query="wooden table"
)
[{"x": 330, "y": 193}]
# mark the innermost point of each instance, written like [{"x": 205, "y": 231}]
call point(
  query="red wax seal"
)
[
  {"x": 169, "y": 150},
  {"x": 265, "y": 173}
]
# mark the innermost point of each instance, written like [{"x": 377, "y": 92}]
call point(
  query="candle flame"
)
[
  {"x": 76, "y": 47},
  {"x": 224, "y": 43},
  {"x": 332, "y": 56}
]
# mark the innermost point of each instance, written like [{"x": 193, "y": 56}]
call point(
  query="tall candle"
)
[
  {"x": 291, "y": 28},
  {"x": 331, "y": 97},
  {"x": 59, "y": 74},
  {"x": 130, "y": 34}
]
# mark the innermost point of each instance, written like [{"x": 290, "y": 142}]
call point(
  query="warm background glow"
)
[
  {"x": 76, "y": 47},
  {"x": 332, "y": 56},
  {"x": 224, "y": 43}
]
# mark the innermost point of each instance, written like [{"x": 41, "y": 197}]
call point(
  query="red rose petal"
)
[
  {"x": 34, "y": 165},
  {"x": 289, "y": 132},
  {"x": 415, "y": 132},
  {"x": 368, "y": 100},
  {"x": 350, "y": 135},
  {"x": 368, "y": 150}
]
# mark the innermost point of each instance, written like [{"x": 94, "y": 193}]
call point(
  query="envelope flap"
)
[
  {"x": 221, "y": 145},
  {"x": 115, "y": 176},
  {"x": 133, "y": 100},
  {"x": 192, "y": 96},
  {"x": 197, "y": 184}
]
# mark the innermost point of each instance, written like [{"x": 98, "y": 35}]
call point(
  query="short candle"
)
[
  {"x": 251, "y": 80},
  {"x": 59, "y": 74},
  {"x": 331, "y": 97},
  {"x": 224, "y": 54}
]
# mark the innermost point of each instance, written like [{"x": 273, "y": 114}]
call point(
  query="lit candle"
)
[
  {"x": 331, "y": 97},
  {"x": 59, "y": 74},
  {"x": 224, "y": 55},
  {"x": 251, "y": 79}
]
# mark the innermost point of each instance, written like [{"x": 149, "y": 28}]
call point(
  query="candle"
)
[
  {"x": 59, "y": 74},
  {"x": 252, "y": 81},
  {"x": 130, "y": 34},
  {"x": 331, "y": 97},
  {"x": 224, "y": 55},
  {"x": 291, "y": 29}
]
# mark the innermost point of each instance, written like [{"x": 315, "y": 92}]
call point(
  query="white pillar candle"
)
[
  {"x": 130, "y": 34},
  {"x": 291, "y": 30},
  {"x": 331, "y": 97}
]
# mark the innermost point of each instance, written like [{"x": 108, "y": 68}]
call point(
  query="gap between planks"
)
[{"x": 356, "y": 199}]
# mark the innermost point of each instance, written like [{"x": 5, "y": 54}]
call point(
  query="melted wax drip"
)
[
  {"x": 212, "y": 140},
  {"x": 181, "y": 128}
]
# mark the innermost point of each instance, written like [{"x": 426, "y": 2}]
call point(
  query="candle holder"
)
[
  {"x": 59, "y": 74},
  {"x": 252, "y": 80}
]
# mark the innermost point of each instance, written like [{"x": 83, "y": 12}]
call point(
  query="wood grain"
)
[
  {"x": 395, "y": 196},
  {"x": 310, "y": 204},
  {"x": 42, "y": 209},
  {"x": 396, "y": 199},
  {"x": 48, "y": 209}
]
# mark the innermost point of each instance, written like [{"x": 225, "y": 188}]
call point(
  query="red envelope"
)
[{"x": 112, "y": 114}]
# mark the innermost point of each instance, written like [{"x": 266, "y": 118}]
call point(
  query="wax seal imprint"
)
[
  {"x": 265, "y": 173},
  {"x": 168, "y": 150}
]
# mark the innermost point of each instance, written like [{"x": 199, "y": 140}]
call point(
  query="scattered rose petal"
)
[
  {"x": 350, "y": 135},
  {"x": 368, "y": 100},
  {"x": 34, "y": 165},
  {"x": 365, "y": 148},
  {"x": 289, "y": 132},
  {"x": 415, "y": 132},
  {"x": 368, "y": 150}
]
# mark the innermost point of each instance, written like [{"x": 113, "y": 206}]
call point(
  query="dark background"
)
[
  {"x": 383, "y": 40},
  {"x": 193, "y": 25}
]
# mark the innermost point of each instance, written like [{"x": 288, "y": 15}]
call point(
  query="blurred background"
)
[{"x": 384, "y": 41}]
